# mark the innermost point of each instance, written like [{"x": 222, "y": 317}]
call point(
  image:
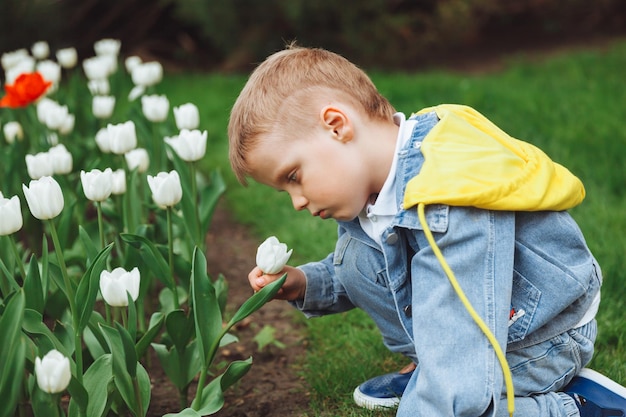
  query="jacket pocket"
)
[{"x": 524, "y": 303}]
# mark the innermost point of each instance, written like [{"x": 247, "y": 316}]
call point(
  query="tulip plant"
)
[{"x": 113, "y": 216}]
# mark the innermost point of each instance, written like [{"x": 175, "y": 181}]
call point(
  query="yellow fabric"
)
[{"x": 469, "y": 161}]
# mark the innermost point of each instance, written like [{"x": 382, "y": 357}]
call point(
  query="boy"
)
[{"x": 513, "y": 268}]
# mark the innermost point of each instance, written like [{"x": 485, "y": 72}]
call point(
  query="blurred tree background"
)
[{"x": 233, "y": 35}]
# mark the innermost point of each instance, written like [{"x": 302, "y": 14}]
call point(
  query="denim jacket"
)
[{"x": 528, "y": 274}]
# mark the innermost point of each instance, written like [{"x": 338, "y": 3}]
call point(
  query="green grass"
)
[{"x": 571, "y": 106}]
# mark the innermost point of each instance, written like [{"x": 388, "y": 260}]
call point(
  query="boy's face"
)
[{"x": 324, "y": 170}]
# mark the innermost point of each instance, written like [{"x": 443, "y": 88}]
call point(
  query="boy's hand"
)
[{"x": 293, "y": 288}]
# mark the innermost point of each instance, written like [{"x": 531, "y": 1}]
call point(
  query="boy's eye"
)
[{"x": 293, "y": 177}]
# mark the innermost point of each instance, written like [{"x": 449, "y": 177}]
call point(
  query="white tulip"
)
[
  {"x": 44, "y": 198},
  {"x": 42, "y": 108},
  {"x": 155, "y": 107},
  {"x": 190, "y": 145},
  {"x": 100, "y": 87},
  {"x": 122, "y": 137},
  {"x": 53, "y": 372},
  {"x": 137, "y": 158},
  {"x": 187, "y": 116},
  {"x": 41, "y": 50},
  {"x": 166, "y": 188},
  {"x": 52, "y": 138},
  {"x": 10, "y": 215},
  {"x": 12, "y": 131},
  {"x": 147, "y": 74},
  {"x": 118, "y": 182},
  {"x": 102, "y": 140},
  {"x": 97, "y": 67},
  {"x": 131, "y": 62},
  {"x": 67, "y": 57},
  {"x": 39, "y": 165},
  {"x": 11, "y": 59},
  {"x": 136, "y": 92},
  {"x": 97, "y": 185},
  {"x": 115, "y": 284},
  {"x": 271, "y": 255},
  {"x": 67, "y": 125},
  {"x": 61, "y": 159},
  {"x": 102, "y": 106},
  {"x": 55, "y": 115},
  {"x": 107, "y": 47},
  {"x": 50, "y": 71},
  {"x": 27, "y": 64}
]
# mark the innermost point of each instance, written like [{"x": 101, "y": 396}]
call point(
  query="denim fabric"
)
[{"x": 536, "y": 265}]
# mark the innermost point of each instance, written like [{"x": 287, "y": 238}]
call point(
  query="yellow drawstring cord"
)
[{"x": 508, "y": 380}]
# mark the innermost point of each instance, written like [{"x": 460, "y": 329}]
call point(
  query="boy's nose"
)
[{"x": 299, "y": 202}]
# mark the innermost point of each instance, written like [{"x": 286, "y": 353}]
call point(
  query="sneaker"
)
[
  {"x": 383, "y": 391},
  {"x": 596, "y": 395}
]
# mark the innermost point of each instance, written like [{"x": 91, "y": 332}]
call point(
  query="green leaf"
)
[
  {"x": 187, "y": 412},
  {"x": 257, "y": 301},
  {"x": 143, "y": 385},
  {"x": 12, "y": 352},
  {"x": 151, "y": 256},
  {"x": 179, "y": 366},
  {"x": 132, "y": 318},
  {"x": 90, "y": 249},
  {"x": 123, "y": 380},
  {"x": 208, "y": 318},
  {"x": 79, "y": 394},
  {"x": 33, "y": 324},
  {"x": 96, "y": 381},
  {"x": 235, "y": 371},
  {"x": 179, "y": 327},
  {"x": 209, "y": 197},
  {"x": 156, "y": 322},
  {"x": 88, "y": 288},
  {"x": 33, "y": 289},
  {"x": 130, "y": 354},
  {"x": 212, "y": 398}
]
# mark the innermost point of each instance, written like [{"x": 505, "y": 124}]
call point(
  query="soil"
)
[
  {"x": 274, "y": 375},
  {"x": 274, "y": 385}
]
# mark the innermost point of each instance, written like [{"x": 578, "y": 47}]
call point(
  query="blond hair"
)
[{"x": 279, "y": 89}]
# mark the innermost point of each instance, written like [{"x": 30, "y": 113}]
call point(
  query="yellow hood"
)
[{"x": 469, "y": 161}]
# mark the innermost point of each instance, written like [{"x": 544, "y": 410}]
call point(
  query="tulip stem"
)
[
  {"x": 170, "y": 244},
  {"x": 194, "y": 196},
  {"x": 18, "y": 258},
  {"x": 69, "y": 291},
  {"x": 100, "y": 224}
]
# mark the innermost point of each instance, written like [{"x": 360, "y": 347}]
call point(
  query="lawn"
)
[{"x": 572, "y": 106}]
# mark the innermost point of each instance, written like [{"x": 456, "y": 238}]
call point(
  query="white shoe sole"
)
[
  {"x": 372, "y": 403},
  {"x": 604, "y": 381}
]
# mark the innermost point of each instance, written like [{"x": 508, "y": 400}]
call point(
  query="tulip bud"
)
[
  {"x": 115, "y": 284},
  {"x": 107, "y": 47},
  {"x": 41, "y": 50},
  {"x": 50, "y": 71},
  {"x": 102, "y": 140},
  {"x": 39, "y": 165},
  {"x": 122, "y": 137},
  {"x": 61, "y": 159},
  {"x": 11, "y": 59},
  {"x": 137, "y": 158},
  {"x": 97, "y": 184},
  {"x": 100, "y": 87},
  {"x": 271, "y": 256},
  {"x": 147, "y": 74},
  {"x": 10, "y": 215},
  {"x": 54, "y": 115},
  {"x": 187, "y": 116},
  {"x": 131, "y": 62},
  {"x": 102, "y": 106},
  {"x": 24, "y": 66},
  {"x": 155, "y": 107},
  {"x": 67, "y": 125},
  {"x": 12, "y": 131},
  {"x": 166, "y": 188},
  {"x": 119, "y": 182},
  {"x": 53, "y": 372},
  {"x": 190, "y": 145},
  {"x": 44, "y": 198},
  {"x": 97, "y": 67},
  {"x": 67, "y": 57}
]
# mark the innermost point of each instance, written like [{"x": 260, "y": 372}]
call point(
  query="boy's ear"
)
[{"x": 337, "y": 122}]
